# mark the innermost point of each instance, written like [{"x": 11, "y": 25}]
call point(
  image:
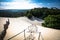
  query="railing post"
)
[
  {"x": 24, "y": 35},
  {"x": 39, "y": 36}
]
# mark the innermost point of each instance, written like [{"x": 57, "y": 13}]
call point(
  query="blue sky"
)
[
  {"x": 45, "y": 1},
  {"x": 28, "y": 4}
]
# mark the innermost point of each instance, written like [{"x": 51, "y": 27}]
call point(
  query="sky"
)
[{"x": 28, "y": 4}]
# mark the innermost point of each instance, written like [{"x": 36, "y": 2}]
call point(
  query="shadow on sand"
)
[{"x": 3, "y": 33}]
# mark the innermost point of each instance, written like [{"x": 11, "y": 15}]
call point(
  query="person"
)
[{"x": 2, "y": 35}]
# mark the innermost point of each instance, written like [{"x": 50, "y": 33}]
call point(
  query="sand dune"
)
[{"x": 19, "y": 24}]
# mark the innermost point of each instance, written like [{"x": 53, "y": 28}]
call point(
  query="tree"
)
[{"x": 52, "y": 21}]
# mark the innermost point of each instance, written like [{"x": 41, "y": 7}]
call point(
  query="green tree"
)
[{"x": 52, "y": 21}]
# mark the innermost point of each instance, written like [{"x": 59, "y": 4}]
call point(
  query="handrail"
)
[{"x": 16, "y": 34}]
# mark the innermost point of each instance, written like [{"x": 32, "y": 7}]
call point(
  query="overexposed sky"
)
[{"x": 18, "y": 4}]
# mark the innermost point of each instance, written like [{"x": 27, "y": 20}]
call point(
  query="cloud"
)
[
  {"x": 18, "y": 5},
  {"x": 28, "y": 4}
]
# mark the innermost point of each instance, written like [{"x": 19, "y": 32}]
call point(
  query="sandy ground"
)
[{"x": 19, "y": 24}]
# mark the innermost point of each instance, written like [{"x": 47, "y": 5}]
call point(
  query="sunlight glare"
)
[{"x": 18, "y": 5}]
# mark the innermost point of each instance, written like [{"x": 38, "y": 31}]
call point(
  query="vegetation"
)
[
  {"x": 52, "y": 21},
  {"x": 51, "y": 16},
  {"x": 11, "y": 14}
]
